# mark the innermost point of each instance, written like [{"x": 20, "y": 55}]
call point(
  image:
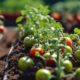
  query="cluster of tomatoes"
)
[{"x": 27, "y": 61}]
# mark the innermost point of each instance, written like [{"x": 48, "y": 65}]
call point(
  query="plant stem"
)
[{"x": 58, "y": 65}]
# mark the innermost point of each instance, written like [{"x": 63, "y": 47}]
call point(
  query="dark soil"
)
[{"x": 5, "y": 45}]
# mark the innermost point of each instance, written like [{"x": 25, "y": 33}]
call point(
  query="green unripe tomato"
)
[
  {"x": 25, "y": 62},
  {"x": 28, "y": 41},
  {"x": 54, "y": 55},
  {"x": 68, "y": 65},
  {"x": 43, "y": 74},
  {"x": 68, "y": 50},
  {"x": 77, "y": 74},
  {"x": 77, "y": 55},
  {"x": 79, "y": 42},
  {"x": 47, "y": 55}
]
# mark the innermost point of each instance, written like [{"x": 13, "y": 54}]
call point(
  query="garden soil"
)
[{"x": 5, "y": 44}]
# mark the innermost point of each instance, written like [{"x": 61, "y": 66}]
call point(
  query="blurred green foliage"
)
[
  {"x": 16, "y": 5},
  {"x": 68, "y": 6},
  {"x": 51, "y": 2}
]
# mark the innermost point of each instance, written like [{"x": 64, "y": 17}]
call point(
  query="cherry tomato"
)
[
  {"x": 25, "y": 62},
  {"x": 29, "y": 41},
  {"x": 68, "y": 65},
  {"x": 56, "y": 15},
  {"x": 68, "y": 49},
  {"x": 70, "y": 18},
  {"x": 68, "y": 41},
  {"x": 78, "y": 18},
  {"x": 47, "y": 55},
  {"x": 43, "y": 74},
  {"x": 33, "y": 51},
  {"x": 62, "y": 50},
  {"x": 77, "y": 55},
  {"x": 50, "y": 62},
  {"x": 2, "y": 29},
  {"x": 77, "y": 74}
]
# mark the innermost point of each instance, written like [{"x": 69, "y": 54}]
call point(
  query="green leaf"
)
[
  {"x": 19, "y": 19},
  {"x": 20, "y": 26},
  {"x": 23, "y": 12},
  {"x": 77, "y": 31}
]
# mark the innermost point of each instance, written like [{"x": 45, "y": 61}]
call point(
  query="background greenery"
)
[{"x": 16, "y": 5}]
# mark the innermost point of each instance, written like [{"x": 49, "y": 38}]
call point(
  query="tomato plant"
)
[{"x": 45, "y": 39}]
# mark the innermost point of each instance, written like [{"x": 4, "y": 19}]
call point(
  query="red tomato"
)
[
  {"x": 78, "y": 18},
  {"x": 70, "y": 19},
  {"x": 62, "y": 50},
  {"x": 56, "y": 15},
  {"x": 50, "y": 62},
  {"x": 68, "y": 41},
  {"x": 2, "y": 29},
  {"x": 34, "y": 50}
]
